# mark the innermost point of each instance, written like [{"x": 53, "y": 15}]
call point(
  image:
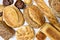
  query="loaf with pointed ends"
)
[
  {"x": 25, "y": 33},
  {"x": 48, "y": 13},
  {"x": 33, "y": 16},
  {"x": 50, "y": 31},
  {"x": 55, "y": 5},
  {"x": 12, "y": 16},
  {"x": 40, "y": 36},
  {"x": 5, "y": 31}
]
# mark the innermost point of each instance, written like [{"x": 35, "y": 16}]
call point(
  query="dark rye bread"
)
[{"x": 5, "y": 31}]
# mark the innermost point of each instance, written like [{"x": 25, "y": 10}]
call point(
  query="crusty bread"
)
[
  {"x": 25, "y": 33},
  {"x": 50, "y": 31},
  {"x": 13, "y": 17}
]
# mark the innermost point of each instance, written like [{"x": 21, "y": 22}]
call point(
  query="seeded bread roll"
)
[{"x": 5, "y": 31}]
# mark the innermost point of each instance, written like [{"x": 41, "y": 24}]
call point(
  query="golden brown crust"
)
[
  {"x": 48, "y": 13},
  {"x": 12, "y": 16},
  {"x": 25, "y": 33},
  {"x": 33, "y": 16},
  {"x": 40, "y": 36},
  {"x": 50, "y": 31}
]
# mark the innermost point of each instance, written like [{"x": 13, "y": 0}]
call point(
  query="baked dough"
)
[
  {"x": 50, "y": 31},
  {"x": 25, "y": 33},
  {"x": 12, "y": 16}
]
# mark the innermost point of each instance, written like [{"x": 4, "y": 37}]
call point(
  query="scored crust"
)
[
  {"x": 12, "y": 16},
  {"x": 25, "y": 33},
  {"x": 20, "y": 16},
  {"x": 40, "y": 36},
  {"x": 33, "y": 16}
]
